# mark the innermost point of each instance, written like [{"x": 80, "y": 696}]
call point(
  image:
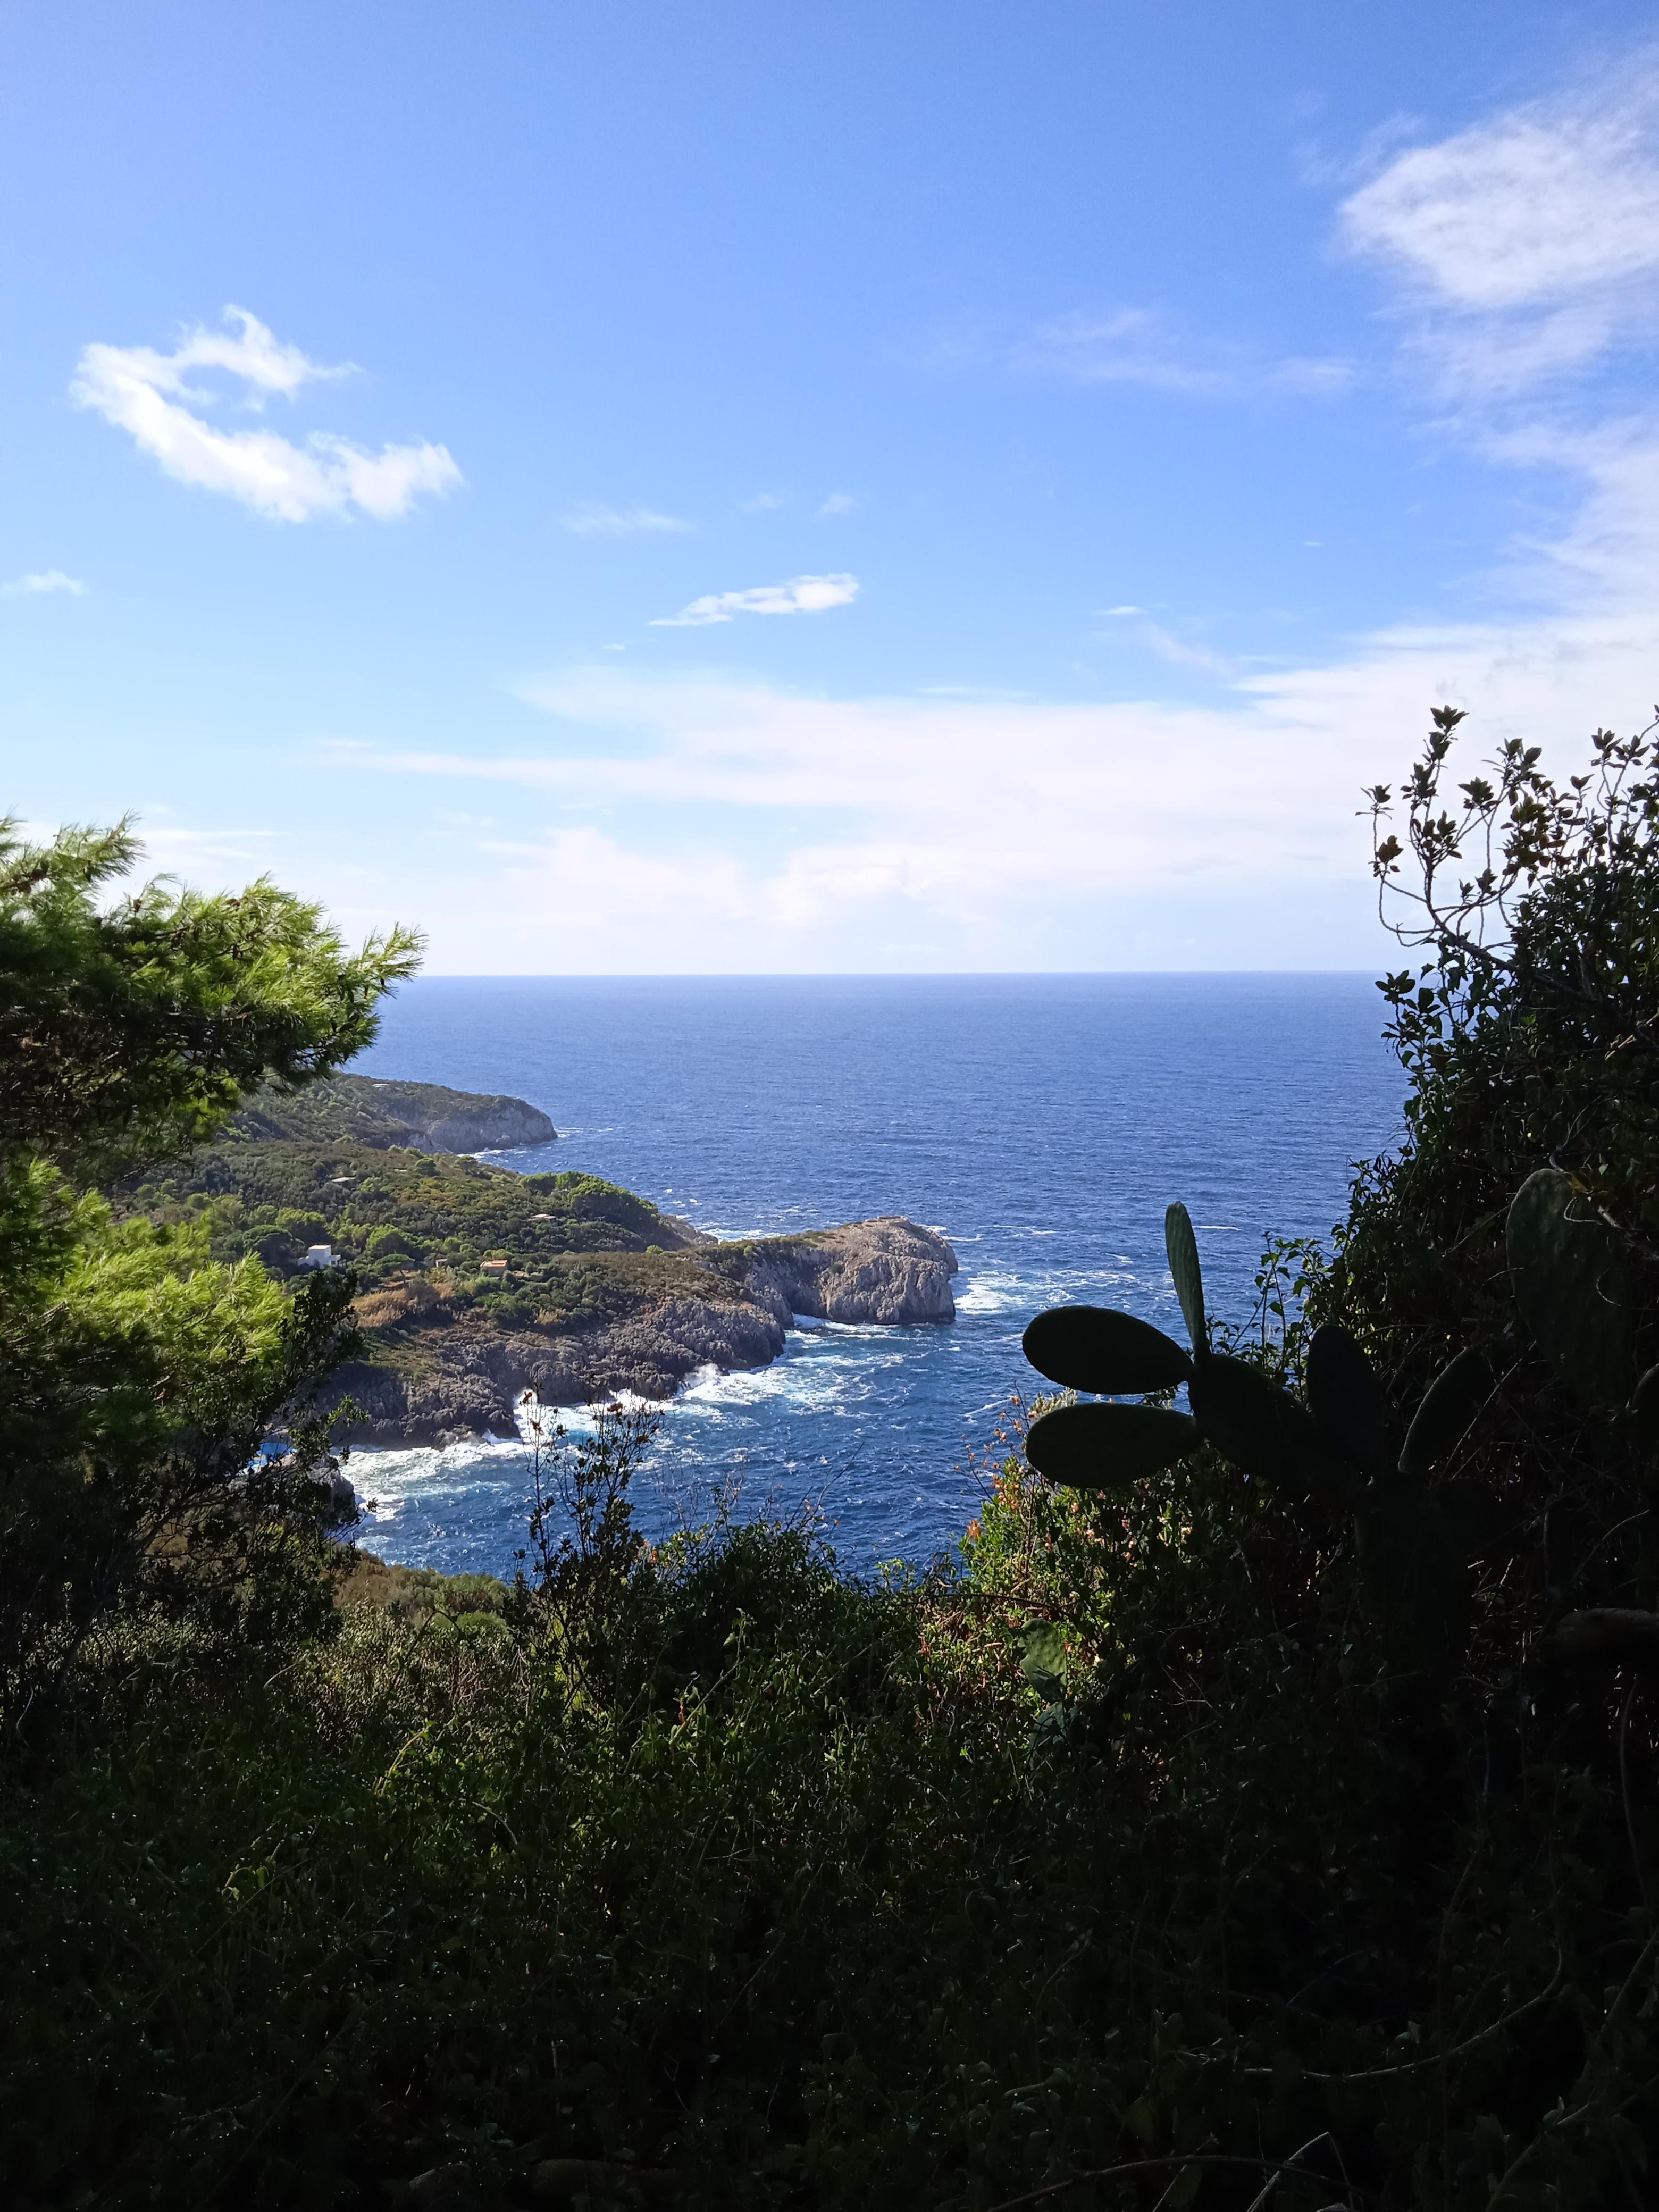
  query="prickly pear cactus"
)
[
  {"x": 1105, "y": 1352},
  {"x": 1571, "y": 1279},
  {"x": 1450, "y": 1407},
  {"x": 1263, "y": 1430},
  {"x": 1331, "y": 1453},
  {"x": 1108, "y": 1447},
  {"x": 1181, "y": 1246},
  {"x": 1346, "y": 1400}
]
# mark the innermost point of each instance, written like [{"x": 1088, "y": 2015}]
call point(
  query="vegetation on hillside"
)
[
  {"x": 1128, "y": 1858},
  {"x": 138, "y": 1373}
]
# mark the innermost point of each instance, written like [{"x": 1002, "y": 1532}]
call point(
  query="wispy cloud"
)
[
  {"x": 594, "y": 521},
  {"x": 1220, "y": 832},
  {"x": 1145, "y": 346},
  {"x": 1528, "y": 244},
  {"x": 802, "y": 595},
  {"x": 763, "y": 503},
  {"x": 1181, "y": 651},
  {"x": 839, "y": 502},
  {"x": 43, "y": 581},
  {"x": 146, "y": 393},
  {"x": 1208, "y": 834}
]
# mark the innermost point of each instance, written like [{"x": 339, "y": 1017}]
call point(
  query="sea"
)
[{"x": 1041, "y": 1122}]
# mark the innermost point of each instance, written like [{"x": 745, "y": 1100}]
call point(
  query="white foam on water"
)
[
  {"x": 993, "y": 1294},
  {"x": 433, "y": 1471}
]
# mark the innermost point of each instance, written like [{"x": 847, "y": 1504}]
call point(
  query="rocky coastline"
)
[
  {"x": 476, "y": 1283},
  {"x": 731, "y": 1306}
]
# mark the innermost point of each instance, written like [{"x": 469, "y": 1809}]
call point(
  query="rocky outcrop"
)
[
  {"x": 885, "y": 1270},
  {"x": 436, "y": 1119},
  {"x": 466, "y": 1381}
]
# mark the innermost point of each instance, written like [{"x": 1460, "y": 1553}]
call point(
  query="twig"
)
[
  {"x": 1434, "y": 2057},
  {"x": 1273, "y": 2170},
  {"x": 1624, "y": 1791}
]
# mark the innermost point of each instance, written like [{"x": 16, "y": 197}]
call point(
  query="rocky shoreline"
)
[
  {"x": 476, "y": 1283},
  {"x": 733, "y": 1311}
]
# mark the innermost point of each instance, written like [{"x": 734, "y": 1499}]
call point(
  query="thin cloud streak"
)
[
  {"x": 42, "y": 583},
  {"x": 594, "y": 521},
  {"x": 1141, "y": 346}
]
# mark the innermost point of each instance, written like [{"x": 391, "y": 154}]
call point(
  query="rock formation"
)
[
  {"x": 468, "y": 1380},
  {"x": 885, "y": 1270}
]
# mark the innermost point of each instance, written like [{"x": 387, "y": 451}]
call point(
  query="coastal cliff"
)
[
  {"x": 725, "y": 1305},
  {"x": 420, "y": 1117}
]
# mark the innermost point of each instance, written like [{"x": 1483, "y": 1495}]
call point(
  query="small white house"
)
[{"x": 319, "y": 1256}]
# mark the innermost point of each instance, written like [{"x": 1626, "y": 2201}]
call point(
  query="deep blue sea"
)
[{"x": 1041, "y": 1122}]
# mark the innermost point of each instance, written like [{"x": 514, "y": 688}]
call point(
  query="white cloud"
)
[
  {"x": 975, "y": 833},
  {"x": 839, "y": 502},
  {"x": 146, "y": 393},
  {"x": 1530, "y": 242},
  {"x": 594, "y": 521},
  {"x": 763, "y": 503},
  {"x": 802, "y": 595},
  {"x": 44, "y": 579},
  {"x": 972, "y": 831}
]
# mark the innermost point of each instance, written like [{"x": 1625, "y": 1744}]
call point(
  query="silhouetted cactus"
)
[
  {"x": 1249, "y": 1420},
  {"x": 1414, "y": 1544},
  {"x": 1101, "y": 1447}
]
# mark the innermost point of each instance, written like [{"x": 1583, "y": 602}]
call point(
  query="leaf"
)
[
  {"x": 1182, "y": 1246},
  {"x": 1108, "y": 1447},
  {"x": 1095, "y": 1349},
  {"x": 1044, "y": 1662}
]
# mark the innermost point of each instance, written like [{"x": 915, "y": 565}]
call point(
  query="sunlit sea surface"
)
[{"x": 1041, "y": 1122}]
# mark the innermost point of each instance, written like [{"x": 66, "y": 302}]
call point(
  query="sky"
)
[{"x": 626, "y": 488}]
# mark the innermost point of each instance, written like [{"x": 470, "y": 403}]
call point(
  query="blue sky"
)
[{"x": 952, "y": 486}]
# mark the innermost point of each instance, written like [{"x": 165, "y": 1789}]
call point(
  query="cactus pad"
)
[
  {"x": 1095, "y": 1349},
  {"x": 1415, "y": 1585},
  {"x": 1346, "y": 1399},
  {"x": 1043, "y": 1664},
  {"x": 1449, "y": 1407},
  {"x": 1108, "y": 1447},
  {"x": 1182, "y": 1246},
  {"x": 1264, "y": 1430}
]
